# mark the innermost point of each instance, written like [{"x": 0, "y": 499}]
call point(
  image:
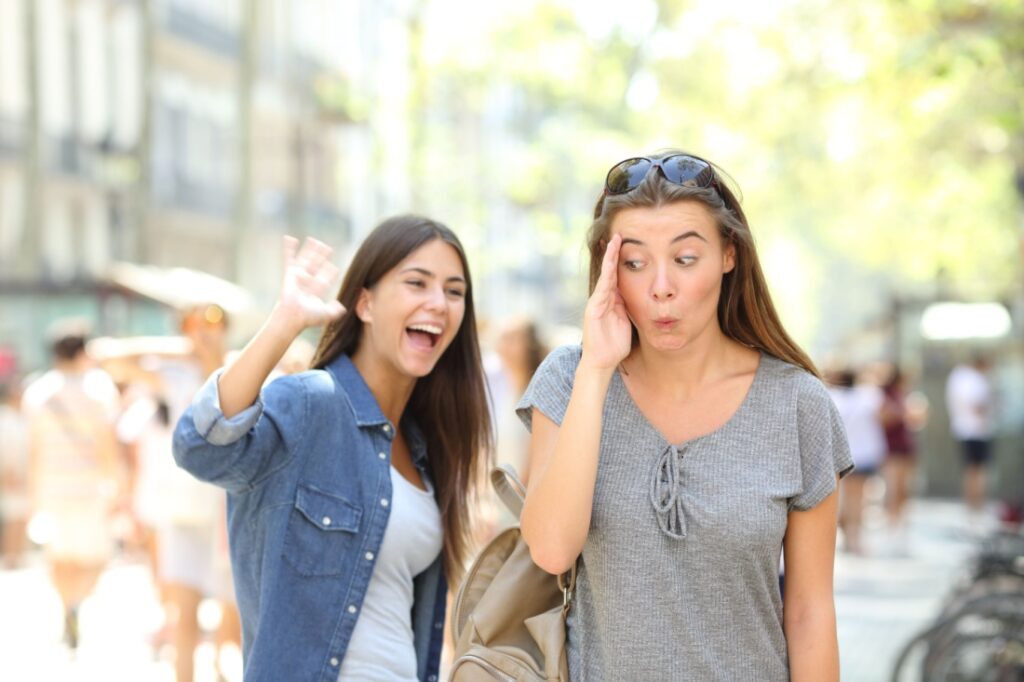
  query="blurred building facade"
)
[{"x": 196, "y": 132}]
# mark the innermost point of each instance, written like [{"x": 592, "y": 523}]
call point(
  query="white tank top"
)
[{"x": 381, "y": 648}]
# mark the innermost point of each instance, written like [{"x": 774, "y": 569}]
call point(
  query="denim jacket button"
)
[
  {"x": 384, "y": 502},
  {"x": 327, "y": 520},
  {"x": 369, "y": 556},
  {"x": 334, "y": 662},
  {"x": 382, "y": 455},
  {"x": 387, "y": 428},
  {"x": 352, "y": 608}
]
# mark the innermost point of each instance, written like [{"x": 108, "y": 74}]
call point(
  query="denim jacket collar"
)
[{"x": 367, "y": 411}]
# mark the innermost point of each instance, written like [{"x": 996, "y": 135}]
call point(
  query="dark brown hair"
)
[
  {"x": 745, "y": 309},
  {"x": 449, "y": 405}
]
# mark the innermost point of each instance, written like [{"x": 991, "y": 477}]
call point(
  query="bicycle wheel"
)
[{"x": 979, "y": 658}]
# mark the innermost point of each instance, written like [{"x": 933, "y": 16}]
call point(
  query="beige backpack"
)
[{"x": 509, "y": 616}]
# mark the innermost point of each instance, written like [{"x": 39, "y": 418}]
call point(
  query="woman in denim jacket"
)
[{"x": 348, "y": 483}]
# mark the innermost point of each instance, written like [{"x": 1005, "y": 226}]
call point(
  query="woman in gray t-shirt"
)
[{"x": 683, "y": 449}]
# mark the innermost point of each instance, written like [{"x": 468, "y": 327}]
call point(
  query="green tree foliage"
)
[{"x": 879, "y": 139}]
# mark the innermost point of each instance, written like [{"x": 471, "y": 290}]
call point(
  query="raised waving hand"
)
[
  {"x": 607, "y": 331},
  {"x": 308, "y": 276}
]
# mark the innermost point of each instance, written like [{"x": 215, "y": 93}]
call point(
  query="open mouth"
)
[{"x": 424, "y": 336}]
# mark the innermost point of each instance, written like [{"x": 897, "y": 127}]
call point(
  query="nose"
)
[
  {"x": 662, "y": 288},
  {"x": 436, "y": 299}
]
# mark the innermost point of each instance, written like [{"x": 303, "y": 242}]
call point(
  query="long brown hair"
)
[
  {"x": 745, "y": 309},
  {"x": 449, "y": 405}
]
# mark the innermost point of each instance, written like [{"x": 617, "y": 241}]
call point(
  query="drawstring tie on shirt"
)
[{"x": 665, "y": 493}]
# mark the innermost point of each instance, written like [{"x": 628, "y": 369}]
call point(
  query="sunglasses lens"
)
[
  {"x": 687, "y": 171},
  {"x": 627, "y": 175}
]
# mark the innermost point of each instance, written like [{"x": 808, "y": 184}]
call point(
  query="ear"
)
[
  {"x": 364, "y": 306},
  {"x": 729, "y": 258}
]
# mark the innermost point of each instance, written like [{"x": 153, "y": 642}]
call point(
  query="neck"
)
[
  {"x": 681, "y": 373},
  {"x": 391, "y": 388}
]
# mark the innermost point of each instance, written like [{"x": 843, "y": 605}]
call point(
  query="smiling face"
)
[
  {"x": 411, "y": 315},
  {"x": 670, "y": 272}
]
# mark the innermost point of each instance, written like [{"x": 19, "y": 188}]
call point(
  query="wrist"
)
[
  {"x": 586, "y": 371},
  {"x": 285, "y": 323}
]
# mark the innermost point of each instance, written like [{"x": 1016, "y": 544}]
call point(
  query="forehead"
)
[
  {"x": 436, "y": 256},
  {"x": 665, "y": 221}
]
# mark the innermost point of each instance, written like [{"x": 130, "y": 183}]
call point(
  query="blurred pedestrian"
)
[
  {"x": 971, "y": 403},
  {"x": 683, "y": 448},
  {"x": 901, "y": 417},
  {"x": 14, "y": 453},
  {"x": 860, "y": 407},
  {"x": 517, "y": 354},
  {"x": 189, "y": 515},
  {"x": 348, "y": 484},
  {"x": 73, "y": 465}
]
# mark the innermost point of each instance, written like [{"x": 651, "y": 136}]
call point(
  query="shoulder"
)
[
  {"x": 795, "y": 381},
  {"x": 310, "y": 382},
  {"x": 563, "y": 360},
  {"x": 40, "y": 390}
]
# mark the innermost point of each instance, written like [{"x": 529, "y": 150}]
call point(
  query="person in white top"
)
[
  {"x": 860, "y": 407},
  {"x": 970, "y": 401},
  {"x": 73, "y": 471}
]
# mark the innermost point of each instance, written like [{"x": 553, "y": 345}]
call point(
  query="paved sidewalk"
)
[
  {"x": 896, "y": 590},
  {"x": 882, "y": 599}
]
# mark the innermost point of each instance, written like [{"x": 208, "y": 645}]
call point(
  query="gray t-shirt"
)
[{"x": 678, "y": 578}]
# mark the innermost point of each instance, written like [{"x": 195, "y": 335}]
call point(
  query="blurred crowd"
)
[
  {"x": 883, "y": 413},
  {"x": 88, "y": 474}
]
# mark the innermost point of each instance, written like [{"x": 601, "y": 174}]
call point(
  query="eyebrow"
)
[
  {"x": 428, "y": 273},
  {"x": 677, "y": 238}
]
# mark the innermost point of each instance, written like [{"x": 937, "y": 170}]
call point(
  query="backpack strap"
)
[
  {"x": 509, "y": 488},
  {"x": 512, "y": 492}
]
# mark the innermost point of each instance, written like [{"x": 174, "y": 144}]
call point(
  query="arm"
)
[
  {"x": 809, "y": 617},
  {"x": 227, "y": 437},
  {"x": 306, "y": 278},
  {"x": 563, "y": 460},
  {"x": 562, "y": 474}
]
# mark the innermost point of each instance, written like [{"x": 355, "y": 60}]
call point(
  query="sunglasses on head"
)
[{"x": 679, "y": 169}]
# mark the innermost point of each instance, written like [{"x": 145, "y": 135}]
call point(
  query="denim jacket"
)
[{"x": 307, "y": 470}]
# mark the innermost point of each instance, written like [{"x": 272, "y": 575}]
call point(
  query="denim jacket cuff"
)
[{"x": 210, "y": 421}]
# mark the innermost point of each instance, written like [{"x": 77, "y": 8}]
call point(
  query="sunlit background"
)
[{"x": 153, "y": 152}]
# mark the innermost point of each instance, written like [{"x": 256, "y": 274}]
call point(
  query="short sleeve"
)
[
  {"x": 824, "y": 451},
  {"x": 551, "y": 387}
]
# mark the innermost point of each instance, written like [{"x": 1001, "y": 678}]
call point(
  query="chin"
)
[
  {"x": 419, "y": 368},
  {"x": 664, "y": 342}
]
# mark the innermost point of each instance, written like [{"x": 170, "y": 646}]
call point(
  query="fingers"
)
[
  {"x": 608, "y": 280},
  {"x": 289, "y": 246},
  {"x": 313, "y": 260},
  {"x": 335, "y": 309},
  {"x": 314, "y": 254},
  {"x": 328, "y": 274}
]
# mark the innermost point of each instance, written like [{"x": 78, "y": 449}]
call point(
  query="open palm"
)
[{"x": 308, "y": 276}]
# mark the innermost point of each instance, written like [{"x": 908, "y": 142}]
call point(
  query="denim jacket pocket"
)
[{"x": 322, "y": 532}]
